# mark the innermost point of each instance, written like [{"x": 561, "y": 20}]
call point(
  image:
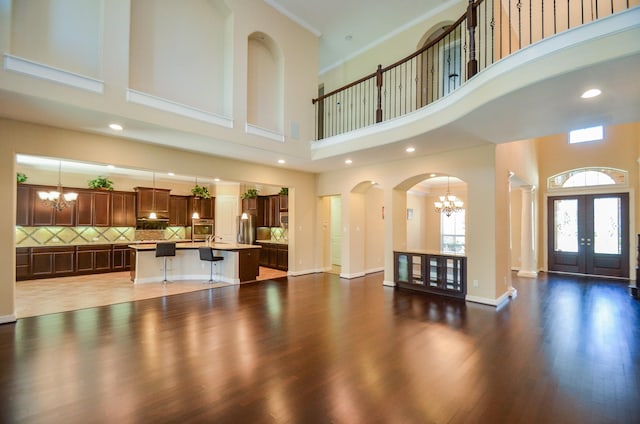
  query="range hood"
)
[{"x": 152, "y": 224}]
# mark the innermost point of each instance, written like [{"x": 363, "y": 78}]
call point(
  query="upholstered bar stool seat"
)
[
  {"x": 206, "y": 254},
  {"x": 164, "y": 250}
]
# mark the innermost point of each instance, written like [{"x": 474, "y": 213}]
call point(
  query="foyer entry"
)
[{"x": 589, "y": 234}]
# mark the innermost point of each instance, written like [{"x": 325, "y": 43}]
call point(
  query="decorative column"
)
[{"x": 527, "y": 252}]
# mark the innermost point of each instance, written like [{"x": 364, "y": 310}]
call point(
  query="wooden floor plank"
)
[{"x": 318, "y": 348}]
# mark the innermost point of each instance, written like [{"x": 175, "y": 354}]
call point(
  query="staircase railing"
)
[{"x": 488, "y": 31}]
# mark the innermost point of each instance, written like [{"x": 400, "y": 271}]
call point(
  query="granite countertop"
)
[
  {"x": 272, "y": 241},
  {"x": 197, "y": 244}
]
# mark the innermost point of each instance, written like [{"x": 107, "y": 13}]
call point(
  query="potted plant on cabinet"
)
[
  {"x": 251, "y": 193},
  {"x": 201, "y": 191},
  {"x": 101, "y": 183},
  {"x": 284, "y": 191},
  {"x": 21, "y": 177}
]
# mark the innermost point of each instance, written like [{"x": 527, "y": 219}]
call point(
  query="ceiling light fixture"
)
[
  {"x": 448, "y": 204},
  {"x": 410, "y": 149},
  {"x": 116, "y": 127},
  {"x": 153, "y": 215},
  {"x": 281, "y": 161},
  {"x": 57, "y": 199},
  {"x": 348, "y": 161},
  {"x": 594, "y": 92}
]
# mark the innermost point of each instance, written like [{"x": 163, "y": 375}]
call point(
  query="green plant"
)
[
  {"x": 201, "y": 191},
  {"x": 21, "y": 177},
  {"x": 103, "y": 183},
  {"x": 251, "y": 193},
  {"x": 284, "y": 191}
]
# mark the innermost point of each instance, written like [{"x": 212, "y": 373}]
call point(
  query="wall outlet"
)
[{"x": 475, "y": 283}]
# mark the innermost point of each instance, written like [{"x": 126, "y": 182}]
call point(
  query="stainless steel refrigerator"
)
[{"x": 246, "y": 228}]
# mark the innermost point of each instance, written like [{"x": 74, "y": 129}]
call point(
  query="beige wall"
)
[{"x": 47, "y": 141}]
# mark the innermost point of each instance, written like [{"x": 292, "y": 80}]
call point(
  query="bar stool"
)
[
  {"x": 206, "y": 254},
  {"x": 162, "y": 251}
]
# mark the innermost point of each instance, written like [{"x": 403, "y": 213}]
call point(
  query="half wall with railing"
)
[{"x": 489, "y": 31}]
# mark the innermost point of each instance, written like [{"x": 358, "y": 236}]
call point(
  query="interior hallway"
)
[{"x": 317, "y": 348}]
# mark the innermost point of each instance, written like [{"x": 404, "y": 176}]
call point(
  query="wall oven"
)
[{"x": 202, "y": 228}]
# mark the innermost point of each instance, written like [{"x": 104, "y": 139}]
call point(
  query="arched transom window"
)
[{"x": 588, "y": 177}]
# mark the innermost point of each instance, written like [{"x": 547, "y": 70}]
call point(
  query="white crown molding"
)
[
  {"x": 263, "y": 132},
  {"x": 49, "y": 73},
  {"x": 294, "y": 18},
  {"x": 159, "y": 103}
]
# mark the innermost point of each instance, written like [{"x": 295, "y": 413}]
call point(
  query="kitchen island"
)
[{"x": 240, "y": 263}]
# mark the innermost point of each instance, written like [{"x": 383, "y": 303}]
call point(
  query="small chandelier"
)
[
  {"x": 448, "y": 203},
  {"x": 57, "y": 199}
]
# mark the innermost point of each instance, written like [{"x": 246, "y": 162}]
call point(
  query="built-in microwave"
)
[
  {"x": 284, "y": 219},
  {"x": 201, "y": 229}
]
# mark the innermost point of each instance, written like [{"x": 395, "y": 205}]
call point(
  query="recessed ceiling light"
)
[
  {"x": 110, "y": 166},
  {"x": 348, "y": 161},
  {"x": 171, "y": 174},
  {"x": 594, "y": 92},
  {"x": 281, "y": 161},
  {"x": 216, "y": 179},
  {"x": 115, "y": 127},
  {"x": 410, "y": 149},
  {"x": 432, "y": 175}
]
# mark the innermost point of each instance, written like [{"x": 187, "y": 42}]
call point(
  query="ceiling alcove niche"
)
[
  {"x": 182, "y": 54},
  {"x": 46, "y": 32},
  {"x": 265, "y": 86}
]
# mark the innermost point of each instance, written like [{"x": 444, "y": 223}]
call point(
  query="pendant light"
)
[
  {"x": 195, "y": 214},
  {"x": 153, "y": 215},
  {"x": 57, "y": 199}
]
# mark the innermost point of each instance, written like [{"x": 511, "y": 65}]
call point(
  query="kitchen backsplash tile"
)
[{"x": 60, "y": 236}]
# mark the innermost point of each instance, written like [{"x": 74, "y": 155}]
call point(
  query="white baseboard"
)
[
  {"x": 527, "y": 274},
  {"x": 5, "y": 319},
  {"x": 388, "y": 283},
  {"x": 307, "y": 271},
  {"x": 353, "y": 275},
  {"x": 486, "y": 301},
  {"x": 374, "y": 270}
]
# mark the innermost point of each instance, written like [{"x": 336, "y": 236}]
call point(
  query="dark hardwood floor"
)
[{"x": 317, "y": 349}]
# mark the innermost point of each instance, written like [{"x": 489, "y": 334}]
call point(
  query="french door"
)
[{"x": 589, "y": 234}]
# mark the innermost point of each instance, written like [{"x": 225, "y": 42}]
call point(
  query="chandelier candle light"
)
[
  {"x": 57, "y": 199},
  {"x": 448, "y": 203}
]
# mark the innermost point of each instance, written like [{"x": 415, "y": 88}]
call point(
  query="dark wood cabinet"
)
[
  {"x": 93, "y": 209},
  {"x": 48, "y": 262},
  {"x": 250, "y": 206},
  {"x": 248, "y": 264},
  {"x": 23, "y": 206},
  {"x": 274, "y": 255},
  {"x": 284, "y": 202},
  {"x": 23, "y": 263},
  {"x": 93, "y": 259},
  {"x": 268, "y": 211},
  {"x": 123, "y": 209},
  {"x": 179, "y": 211},
  {"x": 206, "y": 208},
  {"x": 121, "y": 257},
  {"x": 52, "y": 261},
  {"x": 152, "y": 200}
]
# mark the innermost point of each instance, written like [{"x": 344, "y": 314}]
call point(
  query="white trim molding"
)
[
  {"x": 486, "y": 301},
  {"x": 6, "y": 319},
  {"x": 49, "y": 73},
  {"x": 263, "y": 132},
  {"x": 388, "y": 283},
  {"x": 354, "y": 275},
  {"x": 159, "y": 103}
]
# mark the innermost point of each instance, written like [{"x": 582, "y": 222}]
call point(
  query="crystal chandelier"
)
[
  {"x": 448, "y": 203},
  {"x": 57, "y": 199}
]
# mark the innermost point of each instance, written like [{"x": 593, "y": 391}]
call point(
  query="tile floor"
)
[{"x": 52, "y": 295}]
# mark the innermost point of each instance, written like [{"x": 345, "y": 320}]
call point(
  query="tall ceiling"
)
[{"x": 347, "y": 27}]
